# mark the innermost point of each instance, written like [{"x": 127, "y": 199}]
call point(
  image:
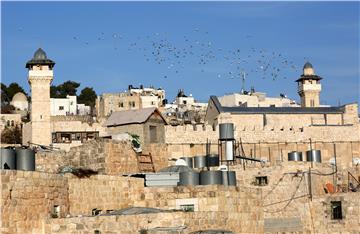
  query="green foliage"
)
[
  {"x": 87, "y": 96},
  {"x": 67, "y": 88},
  {"x": 8, "y": 92},
  {"x": 11, "y": 135},
  {"x": 135, "y": 140}
]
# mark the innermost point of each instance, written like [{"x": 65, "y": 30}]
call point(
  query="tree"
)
[
  {"x": 53, "y": 91},
  {"x": 4, "y": 96},
  {"x": 14, "y": 88},
  {"x": 7, "y": 109},
  {"x": 11, "y": 135},
  {"x": 87, "y": 96},
  {"x": 67, "y": 88}
]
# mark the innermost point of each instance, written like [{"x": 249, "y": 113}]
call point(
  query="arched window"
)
[
  {"x": 12, "y": 123},
  {"x": 8, "y": 123}
]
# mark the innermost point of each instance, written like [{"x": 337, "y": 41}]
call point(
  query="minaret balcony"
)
[
  {"x": 41, "y": 73},
  {"x": 309, "y": 87}
]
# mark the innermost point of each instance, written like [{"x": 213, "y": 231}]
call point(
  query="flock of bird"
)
[{"x": 197, "y": 51}]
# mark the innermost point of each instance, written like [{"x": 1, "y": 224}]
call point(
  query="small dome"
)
[
  {"x": 308, "y": 65},
  {"x": 19, "y": 97},
  {"x": 40, "y": 54},
  {"x": 40, "y": 58}
]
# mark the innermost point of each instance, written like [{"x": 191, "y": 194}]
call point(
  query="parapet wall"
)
[
  {"x": 28, "y": 198},
  {"x": 102, "y": 192},
  {"x": 105, "y": 156},
  {"x": 199, "y": 134}
]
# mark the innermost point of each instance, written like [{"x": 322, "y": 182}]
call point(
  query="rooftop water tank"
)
[
  {"x": 229, "y": 178},
  {"x": 200, "y": 161},
  {"x": 226, "y": 131},
  {"x": 210, "y": 177},
  {"x": 295, "y": 156},
  {"x": 188, "y": 160},
  {"x": 189, "y": 178},
  {"x": 8, "y": 159},
  {"x": 25, "y": 159},
  {"x": 212, "y": 160},
  {"x": 313, "y": 155}
]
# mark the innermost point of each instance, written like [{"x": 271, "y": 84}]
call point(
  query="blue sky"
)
[{"x": 201, "y": 47}]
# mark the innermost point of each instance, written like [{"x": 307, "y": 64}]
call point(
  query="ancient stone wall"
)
[
  {"x": 217, "y": 207},
  {"x": 290, "y": 204},
  {"x": 28, "y": 198},
  {"x": 159, "y": 153},
  {"x": 163, "y": 222},
  {"x": 190, "y": 134},
  {"x": 105, "y": 156},
  {"x": 102, "y": 192}
]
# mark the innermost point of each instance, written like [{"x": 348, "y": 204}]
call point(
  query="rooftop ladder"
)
[{"x": 145, "y": 162}]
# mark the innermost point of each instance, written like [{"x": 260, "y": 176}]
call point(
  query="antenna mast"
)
[{"x": 243, "y": 74}]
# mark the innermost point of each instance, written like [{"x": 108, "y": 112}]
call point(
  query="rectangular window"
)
[
  {"x": 61, "y": 107},
  {"x": 261, "y": 180},
  {"x": 188, "y": 207},
  {"x": 336, "y": 210},
  {"x": 153, "y": 134}
]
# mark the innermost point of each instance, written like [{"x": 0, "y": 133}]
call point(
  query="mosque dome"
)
[
  {"x": 20, "y": 101},
  {"x": 40, "y": 55},
  {"x": 308, "y": 69},
  {"x": 19, "y": 97},
  {"x": 308, "y": 65},
  {"x": 40, "y": 58}
]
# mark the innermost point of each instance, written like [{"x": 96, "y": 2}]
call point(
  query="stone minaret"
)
[
  {"x": 40, "y": 77},
  {"x": 309, "y": 87}
]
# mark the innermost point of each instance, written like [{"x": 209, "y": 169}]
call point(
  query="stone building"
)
[
  {"x": 40, "y": 77},
  {"x": 132, "y": 99},
  {"x": 50, "y": 126},
  {"x": 9, "y": 120},
  {"x": 271, "y": 116},
  {"x": 147, "y": 123},
  {"x": 256, "y": 99},
  {"x": 68, "y": 106}
]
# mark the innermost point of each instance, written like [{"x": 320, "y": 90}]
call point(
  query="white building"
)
[
  {"x": 68, "y": 106},
  {"x": 256, "y": 99}
]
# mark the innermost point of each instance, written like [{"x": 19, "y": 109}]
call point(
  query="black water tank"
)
[
  {"x": 8, "y": 159},
  {"x": 25, "y": 159},
  {"x": 212, "y": 160}
]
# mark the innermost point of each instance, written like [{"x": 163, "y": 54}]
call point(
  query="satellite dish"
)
[{"x": 180, "y": 162}]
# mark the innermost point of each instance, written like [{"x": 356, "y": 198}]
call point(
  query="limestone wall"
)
[
  {"x": 190, "y": 134},
  {"x": 287, "y": 204},
  {"x": 217, "y": 207},
  {"x": 27, "y": 199},
  {"x": 105, "y": 156},
  {"x": 102, "y": 192},
  {"x": 164, "y": 222}
]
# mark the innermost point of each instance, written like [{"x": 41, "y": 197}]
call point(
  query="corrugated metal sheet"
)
[{"x": 131, "y": 116}]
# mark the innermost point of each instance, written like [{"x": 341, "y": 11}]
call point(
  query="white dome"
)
[
  {"x": 19, "y": 97},
  {"x": 20, "y": 102}
]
